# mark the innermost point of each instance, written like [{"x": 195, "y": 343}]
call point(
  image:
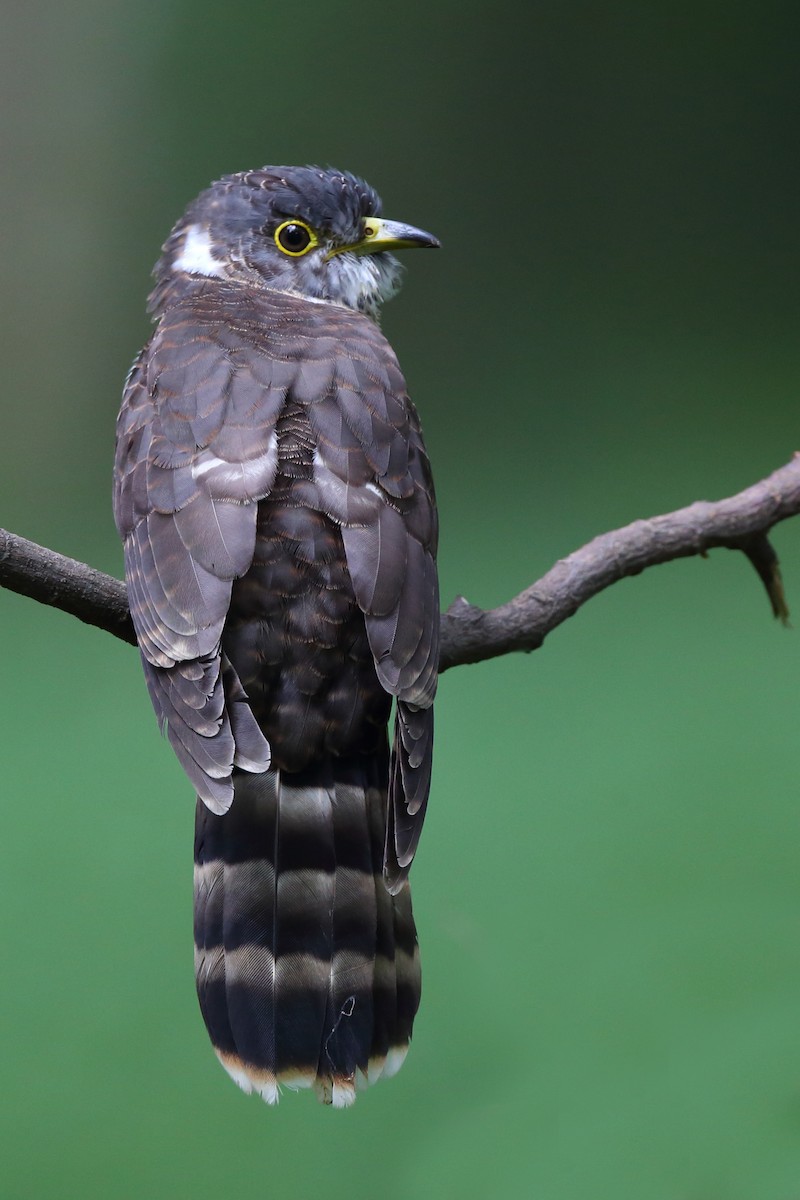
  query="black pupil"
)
[{"x": 294, "y": 237}]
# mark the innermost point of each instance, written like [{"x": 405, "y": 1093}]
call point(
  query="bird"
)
[{"x": 277, "y": 510}]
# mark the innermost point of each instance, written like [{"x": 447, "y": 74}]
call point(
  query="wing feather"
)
[
  {"x": 372, "y": 475},
  {"x": 196, "y": 451}
]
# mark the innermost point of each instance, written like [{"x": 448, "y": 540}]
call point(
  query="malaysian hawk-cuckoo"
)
[{"x": 276, "y": 505}]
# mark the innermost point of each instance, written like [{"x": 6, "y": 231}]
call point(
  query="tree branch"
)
[
  {"x": 471, "y": 634},
  {"x": 740, "y": 523},
  {"x": 64, "y": 583}
]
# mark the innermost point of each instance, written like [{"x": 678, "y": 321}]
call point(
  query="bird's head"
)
[{"x": 311, "y": 232}]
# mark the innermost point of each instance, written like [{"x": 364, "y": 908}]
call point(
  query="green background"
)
[{"x": 607, "y": 889}]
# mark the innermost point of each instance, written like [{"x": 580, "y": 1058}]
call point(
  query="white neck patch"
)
[{"x": 195, "y": 256}]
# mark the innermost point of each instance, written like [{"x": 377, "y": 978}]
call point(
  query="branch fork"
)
[{"x": 471, "y": 634}]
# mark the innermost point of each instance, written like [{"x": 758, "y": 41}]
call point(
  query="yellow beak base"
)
[{"x": 380, "y": 235}]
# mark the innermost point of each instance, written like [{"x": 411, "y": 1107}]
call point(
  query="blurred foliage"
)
[{"x": 607, "y": 891}]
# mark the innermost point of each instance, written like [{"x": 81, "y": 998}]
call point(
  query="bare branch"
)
[
  {"x": 739, "y": 523},
  {"x": 762, "y": 555},
  {"x": 63, "y": 583},
  {"x": 470, "y": 634}
]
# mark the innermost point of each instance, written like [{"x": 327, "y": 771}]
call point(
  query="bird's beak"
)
[{"x": 381, "y": 235}]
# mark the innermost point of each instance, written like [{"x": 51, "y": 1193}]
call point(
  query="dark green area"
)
[{"x": 607, "y": 889}]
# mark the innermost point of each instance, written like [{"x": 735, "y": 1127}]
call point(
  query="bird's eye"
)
[{"x": 295, "y": 238}]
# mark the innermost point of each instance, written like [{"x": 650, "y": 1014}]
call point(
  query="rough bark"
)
[{"x": 471, "y": 634}]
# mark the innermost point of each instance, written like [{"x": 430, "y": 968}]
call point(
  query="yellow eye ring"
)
[{"x": 295, "y": 238}]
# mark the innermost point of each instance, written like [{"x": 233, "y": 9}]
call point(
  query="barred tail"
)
[{"x": 307, "y": 969}]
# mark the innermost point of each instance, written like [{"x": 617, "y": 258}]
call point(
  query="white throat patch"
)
[
  {"x": 195, "y": 256},
  {"x": 361, "y": 281}
]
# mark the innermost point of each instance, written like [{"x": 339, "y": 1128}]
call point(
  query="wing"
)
[
  {"x": 373, "y": 477},
  {"x": 196, "y": 450}
]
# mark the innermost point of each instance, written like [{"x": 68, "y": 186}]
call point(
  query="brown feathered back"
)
[{"x": 277, "y": 509}]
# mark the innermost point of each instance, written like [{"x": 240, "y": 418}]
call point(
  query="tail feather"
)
[
  {"x": 407, "y": 968},
  {"x": 307, "y": 968},
  {"x": 349, "y": 1015},
  {"x": 302, "y": 939},
  {"x": 385, "y": 975}
]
